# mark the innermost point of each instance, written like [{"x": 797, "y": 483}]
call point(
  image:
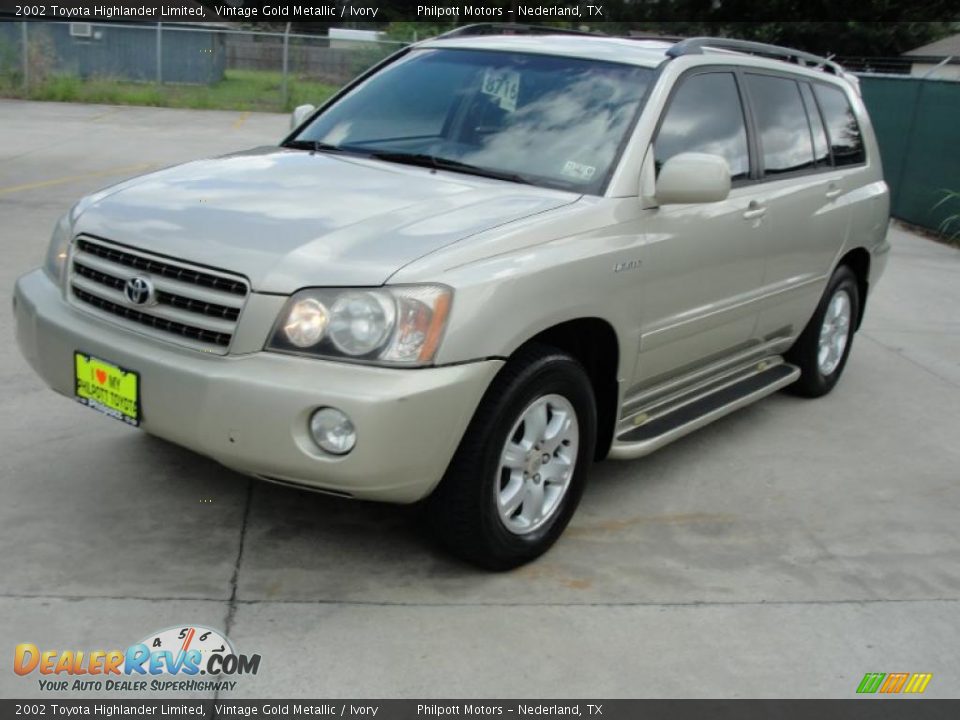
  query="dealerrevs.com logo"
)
[{"x": 187, "y": 658}]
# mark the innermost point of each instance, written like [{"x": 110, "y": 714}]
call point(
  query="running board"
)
[{"x": 658, "y": 431}]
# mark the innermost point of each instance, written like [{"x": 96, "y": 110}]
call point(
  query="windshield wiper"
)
[
  {"x": 314, "y": 146},
  {"x": 439, "y": 163},
  {"x": 418, "y": 159}
]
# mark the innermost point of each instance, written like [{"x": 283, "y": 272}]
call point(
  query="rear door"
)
[{"x": 805, "y": 184}]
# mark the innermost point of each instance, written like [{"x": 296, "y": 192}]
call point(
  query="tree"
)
[{"x": 868, "y": 28}]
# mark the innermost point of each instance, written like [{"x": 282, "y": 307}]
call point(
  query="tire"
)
[
  {"x": 821, "y": 367},
  {"x": 539, "y": 387}
]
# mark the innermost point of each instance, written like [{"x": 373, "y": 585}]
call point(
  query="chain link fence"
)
[{"x": 184, "y": 66}]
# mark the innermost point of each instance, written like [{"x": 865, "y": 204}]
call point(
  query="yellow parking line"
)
[
  {"x": 238, "y": 123},
  {"x": 74, "y": 178},
  {"x": 102, "y": 115}
]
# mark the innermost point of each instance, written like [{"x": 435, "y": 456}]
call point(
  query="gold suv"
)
[{"x": 483, "y": 265}]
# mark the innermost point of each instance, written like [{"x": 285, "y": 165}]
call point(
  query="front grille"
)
[
  {"x": 163, "y": 268},
  {"x": 193, "y": 306},
  {"x": 152, "y": 320}
]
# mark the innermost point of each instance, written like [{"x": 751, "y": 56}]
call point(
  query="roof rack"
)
[
  {"x": 696, "y": 46},
  {"x": 632, "y": 35},
  {"x": 510, "y": 29}
]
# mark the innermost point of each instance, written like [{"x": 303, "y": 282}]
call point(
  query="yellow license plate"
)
[{"x": 107, "y": 388}]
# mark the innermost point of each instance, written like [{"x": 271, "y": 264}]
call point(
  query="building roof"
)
[{"x": 945, "y": 47}]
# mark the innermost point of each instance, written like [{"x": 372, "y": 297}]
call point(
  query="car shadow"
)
[{"x": 304, "y": 546}]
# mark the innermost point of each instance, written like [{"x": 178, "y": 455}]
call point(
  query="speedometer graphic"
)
[{"x": 179, "y": 640}]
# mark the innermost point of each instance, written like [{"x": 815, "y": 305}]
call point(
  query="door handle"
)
[
  {"x": 833, "y": 191},
  {"x": 754, "y": 210}
]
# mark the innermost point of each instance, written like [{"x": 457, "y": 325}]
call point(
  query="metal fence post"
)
[
  {"x": 897, "y": 193},
  {"x": 159, "y": 53},
  {"x": 26, "y": 56},
  {"x": 942, "y": 63},
  {"x": 286, "y": 62}
]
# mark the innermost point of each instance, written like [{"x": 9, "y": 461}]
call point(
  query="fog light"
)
[{"x": 332, "y": 430}]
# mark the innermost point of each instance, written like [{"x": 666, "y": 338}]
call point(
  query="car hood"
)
[{"x": 288, "y": 219}]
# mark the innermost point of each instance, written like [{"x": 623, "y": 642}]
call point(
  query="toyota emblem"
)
[{"x": 139, "y": 290}]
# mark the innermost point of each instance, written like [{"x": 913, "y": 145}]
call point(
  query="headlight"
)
[
  {"x": 399, "y": 325},
  {"x": 56, "y": 258},
  {"x": 361, "y": 321},
  {"x": 305, "y": 323}
]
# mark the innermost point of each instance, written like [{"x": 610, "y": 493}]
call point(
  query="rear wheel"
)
[
  {"x": 520, "y": 470},
  {"x": 822, "y": 349}
]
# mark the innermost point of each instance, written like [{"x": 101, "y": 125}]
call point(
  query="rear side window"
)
[
  {"x": 846, "y": 142},
  {"x": 821, "y": 147},
  {"x": 706, "y": 116},
  {"x": 782, "y": 125}
]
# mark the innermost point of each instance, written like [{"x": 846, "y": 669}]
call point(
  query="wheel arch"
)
[
  {"x": 593, "y": 341},
  {"x": 858, "y": 260}
]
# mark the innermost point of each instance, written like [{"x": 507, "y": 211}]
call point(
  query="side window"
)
[
  {"x": 781, "y": 124},
  {"x": 842, "y": 128},
  {"x": 821, "y": 148},
  {"x": 705, "y": 115}
]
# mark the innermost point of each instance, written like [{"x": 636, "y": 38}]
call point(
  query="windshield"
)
[{"x": 553, "y": 121}]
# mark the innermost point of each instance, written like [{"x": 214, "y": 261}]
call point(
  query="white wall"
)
[{"x": 945, "y": 72}]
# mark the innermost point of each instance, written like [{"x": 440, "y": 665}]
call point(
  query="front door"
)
[{"x": 703, "y": 264}]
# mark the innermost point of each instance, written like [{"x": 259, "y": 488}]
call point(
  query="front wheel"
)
[
  {"x": 822, "y": 349},
  {"x": 520, "y": 470}
]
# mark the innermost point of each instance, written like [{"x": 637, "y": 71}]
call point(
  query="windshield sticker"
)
[
  {"x": 504, "y": 85},
  {"x": 573, "y": 169}
]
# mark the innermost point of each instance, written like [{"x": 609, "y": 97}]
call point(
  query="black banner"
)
[
  {"x": 860, "y": 709},
  {"x": 510, "y": 11}
]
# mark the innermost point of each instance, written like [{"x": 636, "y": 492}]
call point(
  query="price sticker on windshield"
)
[{"x": 504, "y": 85}]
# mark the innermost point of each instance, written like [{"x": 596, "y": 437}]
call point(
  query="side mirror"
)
[
  {"x": 300, "y": 113},
  {"x": 693, "y": 178}
]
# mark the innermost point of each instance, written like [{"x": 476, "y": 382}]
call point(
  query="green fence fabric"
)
[{"x": 918, "y": 127}]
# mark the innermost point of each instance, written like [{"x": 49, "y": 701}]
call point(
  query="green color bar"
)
[{"x": 871, "y": 682}]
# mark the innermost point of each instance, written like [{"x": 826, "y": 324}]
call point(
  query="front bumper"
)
[{"x": 250, "y": 411}]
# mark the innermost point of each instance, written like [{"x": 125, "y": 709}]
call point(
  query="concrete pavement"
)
[{"x": 805, "y": 540}]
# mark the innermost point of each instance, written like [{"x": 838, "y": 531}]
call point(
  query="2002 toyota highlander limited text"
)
[{"x": 483, "y": 265}]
